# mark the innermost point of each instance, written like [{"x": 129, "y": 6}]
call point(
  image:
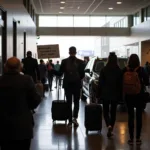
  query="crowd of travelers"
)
[{"x": 18, "y": 95}]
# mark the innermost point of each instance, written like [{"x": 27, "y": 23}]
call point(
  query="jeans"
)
[
  {"x": 58, "y": 81},
  {"x": 74, "y": 93},
  {"x": 50, "y": 81},
  {"x": 134, "y": 101},
  {"x": 109, "y": 111}
]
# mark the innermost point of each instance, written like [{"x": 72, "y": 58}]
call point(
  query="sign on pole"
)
[{"x": 48, "y": 51}]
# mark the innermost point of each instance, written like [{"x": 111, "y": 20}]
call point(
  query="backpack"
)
[
  {"x": 72, "y": 73},
  {"x": 49, "y": 67},
  {"x": 131, "y": 82}
]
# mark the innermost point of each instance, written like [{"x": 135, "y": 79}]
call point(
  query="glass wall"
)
[
  {"x": 136, "y": 19},
  {"x": 146, "y": 14},
  {"x": 87, "y": 46},
  {"x": 81, "y": 21},
  {"x": 123, "y": 22}
]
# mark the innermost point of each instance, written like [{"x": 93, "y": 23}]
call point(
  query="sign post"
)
[{"x": 48, "y": 51}]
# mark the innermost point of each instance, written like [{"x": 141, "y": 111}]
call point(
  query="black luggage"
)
[
  {"x": 93, "y": 117},
  {"x": 60, "y": 110}
]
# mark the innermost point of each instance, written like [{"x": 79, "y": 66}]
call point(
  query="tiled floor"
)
[{"x": 59, "y": 137}]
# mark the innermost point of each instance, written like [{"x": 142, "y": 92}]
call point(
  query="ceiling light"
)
[
  {"x": 78, "y": 7},
  {"x": 61, "y": 7},
  {"x": 110, "y": 8},
  {"x": 62, "y": 2},
  {"x": 119, "y": 3},
  {"x": 60, "y": 12}
]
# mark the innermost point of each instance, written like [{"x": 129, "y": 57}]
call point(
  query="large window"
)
[
  {"x": 48, "y": 21},
  {"x": 96, "y": 21},
  {"x": 65, "y": 21},
  {"x": 78, "y": 21},
  {"x": 136, "y": 19},
  {"x": 146, "y": 14},
  {"x": 122, "y": 23}
]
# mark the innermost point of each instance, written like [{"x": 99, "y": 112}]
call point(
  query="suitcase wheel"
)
[{"x": 86, "y": 131}]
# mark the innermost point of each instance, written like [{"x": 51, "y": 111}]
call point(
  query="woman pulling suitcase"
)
[{"x": 110, "y": 91}]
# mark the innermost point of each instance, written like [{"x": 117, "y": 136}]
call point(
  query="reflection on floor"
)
[{"x": 59, "y": 137}]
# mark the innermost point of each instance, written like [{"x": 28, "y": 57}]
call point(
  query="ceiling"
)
[{"x": 88, "y": 7}]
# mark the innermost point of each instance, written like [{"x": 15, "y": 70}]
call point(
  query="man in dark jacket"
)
[
  {"x": 73, "y": 70},
  {"x": 18, "y": 97},
  {"x": 30, "y": 67}
]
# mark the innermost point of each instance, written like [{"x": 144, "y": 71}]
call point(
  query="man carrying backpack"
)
[{"x": 73, "y": 70}]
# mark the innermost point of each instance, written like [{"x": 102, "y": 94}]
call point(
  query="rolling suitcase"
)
[
  {"x": 93, "y": 117},
  {"x": 60, "y": 110}
]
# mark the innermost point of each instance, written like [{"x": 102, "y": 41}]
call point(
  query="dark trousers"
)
[
  {"x": 58, "y": 81},
  {"x": 50, "y": 81},
  {"x": 73, "y": 93},
  {"x": 134, "y": 102},
  {"x": 15, "y": 145},
  {"x": 43, "y": 81},
  {"x": 109, "y": 111}
]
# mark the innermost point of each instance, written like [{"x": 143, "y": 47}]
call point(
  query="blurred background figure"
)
[
  {"x": 58, "y": 79},
  {"x": 30, "y": 67},
  {"x": 43, "y": 73},
  {"x": 50, "y": 68}
]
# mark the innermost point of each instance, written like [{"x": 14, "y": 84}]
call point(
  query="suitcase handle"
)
[{"x": 58, "y": 95}]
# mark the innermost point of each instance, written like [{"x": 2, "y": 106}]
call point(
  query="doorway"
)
[
  {"x": 3, "y": 40},
  {"x": 14, "y": 38},
  {"x": 24, "y": 45},
  {"x": 1, "y": 64}
]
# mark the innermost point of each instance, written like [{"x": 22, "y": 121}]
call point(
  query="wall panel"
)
[{"x": 17, "y": 12}]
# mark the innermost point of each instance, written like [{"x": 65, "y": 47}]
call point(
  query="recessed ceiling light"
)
[
  {"x": 61, "y": 7},
  {"x": 60, "y": 12},
  {"x": 78, "y": 7},
  {"x": 119, "y": 3},
  {"x": 62, "y": 2},
  {"x": 110, "y": 8}
]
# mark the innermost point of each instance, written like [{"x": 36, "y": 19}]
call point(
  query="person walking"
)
[
  {"x": 134, "y": 81},
  {"x": 18, "y": 97},
  {"x": 73, "y": 70},
  {"x": 110, "y": 91},
  {"x": 50, "y": 68},
  {"x": 58, "y": 79},
  {"x": 43, "y": 72},
  {"x": 30, "y": 67}
]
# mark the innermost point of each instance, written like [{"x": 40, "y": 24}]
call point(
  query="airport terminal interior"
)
[{"x": 95, "y": 28}]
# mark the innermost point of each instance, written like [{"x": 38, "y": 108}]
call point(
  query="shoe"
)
[
  {"x": 130, "y": 142},
  {"x": 138, "y": 142},
  {"x": 109, "y": 133},
  {"x": 76, "y": 124},
  {"x": 70, "y": 124}
]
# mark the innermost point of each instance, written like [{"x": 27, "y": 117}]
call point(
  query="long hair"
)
[
  {"x": 112, "y": 60},
  {"x": 133, "y": 61}
]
